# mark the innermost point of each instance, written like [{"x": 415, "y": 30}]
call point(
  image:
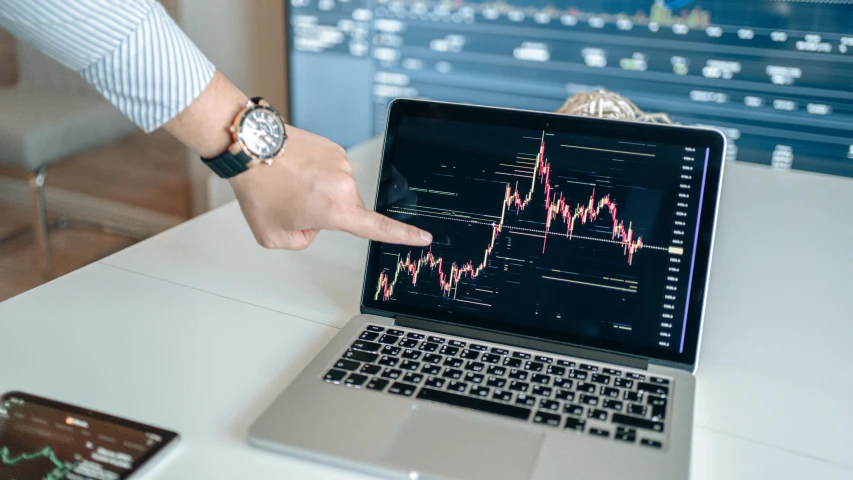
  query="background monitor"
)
[{"x": 775, "y": 76}]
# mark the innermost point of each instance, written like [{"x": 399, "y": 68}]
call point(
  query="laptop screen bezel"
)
[{"x": 627, "y": 131}]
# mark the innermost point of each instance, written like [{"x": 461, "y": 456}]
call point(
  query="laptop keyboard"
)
[{"x": 623, "y": 404}]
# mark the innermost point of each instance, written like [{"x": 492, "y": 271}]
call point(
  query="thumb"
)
[{"x": 373, "y": 226}]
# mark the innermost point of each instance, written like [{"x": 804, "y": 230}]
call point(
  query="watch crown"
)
[{"x": 232, "y": 129}]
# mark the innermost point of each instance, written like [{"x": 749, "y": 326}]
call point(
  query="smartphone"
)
[{"x": 46, "y": 439}]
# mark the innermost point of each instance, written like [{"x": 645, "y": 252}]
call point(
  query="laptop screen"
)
[{"x": 566, "y": 229}]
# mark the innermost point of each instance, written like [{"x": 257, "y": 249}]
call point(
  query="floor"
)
[{"x": 147, "y": 171}]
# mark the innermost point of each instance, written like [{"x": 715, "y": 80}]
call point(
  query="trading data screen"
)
[
  {"x": 39, "y": 441},
  {"x": 776, "y": 76},
  {"x": 556, "y": 232}
]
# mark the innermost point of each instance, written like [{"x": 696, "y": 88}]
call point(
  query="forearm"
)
[{"x": 203, "y": 125}]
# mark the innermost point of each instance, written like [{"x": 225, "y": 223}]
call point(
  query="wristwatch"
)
[{"x": 258, "y": 134}]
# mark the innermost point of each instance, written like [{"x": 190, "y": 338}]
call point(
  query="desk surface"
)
[{"x": 181, "y": 332}]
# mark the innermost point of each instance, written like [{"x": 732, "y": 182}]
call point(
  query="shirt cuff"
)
[{"x": 154, "y": 73}]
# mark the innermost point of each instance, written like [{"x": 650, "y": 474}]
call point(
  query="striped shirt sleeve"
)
[{"x": 131, "y": 51}]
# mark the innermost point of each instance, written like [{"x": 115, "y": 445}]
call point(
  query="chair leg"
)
[{"x": 40, "y": 221}]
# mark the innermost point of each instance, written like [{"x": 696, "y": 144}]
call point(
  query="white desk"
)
[{"x": 182, "y": 332}]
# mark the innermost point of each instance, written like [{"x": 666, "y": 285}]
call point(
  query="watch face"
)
[{"x": 262, "y": 132}]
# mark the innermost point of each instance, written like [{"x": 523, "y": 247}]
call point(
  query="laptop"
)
[{"x": 550, "y": 331}]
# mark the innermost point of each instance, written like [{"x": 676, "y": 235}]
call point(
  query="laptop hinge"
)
[{"x": 523, "y": 342}]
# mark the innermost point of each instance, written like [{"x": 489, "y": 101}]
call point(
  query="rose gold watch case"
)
[{"x": 239, "y": 145}]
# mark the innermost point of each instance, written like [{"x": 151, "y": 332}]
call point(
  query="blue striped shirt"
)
[{"x": 131, "y": 51}]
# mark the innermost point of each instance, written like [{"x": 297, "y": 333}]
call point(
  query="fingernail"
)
[{"x": 426, "y": 237}]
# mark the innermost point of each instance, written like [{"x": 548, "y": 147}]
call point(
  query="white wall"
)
[{"x": 245, "y": 39}]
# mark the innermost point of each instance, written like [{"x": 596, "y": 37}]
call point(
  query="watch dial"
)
[{"x": 262, "y": 132}]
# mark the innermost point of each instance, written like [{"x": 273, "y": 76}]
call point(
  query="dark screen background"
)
[{"x": 451, "y": 179}]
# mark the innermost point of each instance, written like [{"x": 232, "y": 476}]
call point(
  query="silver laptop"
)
[{"x": 550, "y": 331}]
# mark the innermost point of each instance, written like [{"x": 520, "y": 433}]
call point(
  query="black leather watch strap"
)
[{"x": 228, "y": 165}]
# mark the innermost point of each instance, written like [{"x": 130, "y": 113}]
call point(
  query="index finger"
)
[{"x": 374, "y": 226}]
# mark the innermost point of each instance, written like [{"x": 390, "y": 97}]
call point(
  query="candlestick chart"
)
[{"x": 564, "y": 218}]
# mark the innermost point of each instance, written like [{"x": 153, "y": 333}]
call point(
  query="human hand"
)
[{"x": 310, "y": 187}]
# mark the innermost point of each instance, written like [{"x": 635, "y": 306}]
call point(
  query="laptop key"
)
[
  {"x": 410, "y": 365},
  {"x": 448, "y": 350},
  {"x": 403, "y": 389},
  {"x": 496, "y": 382},
  {"x": 565, "y": 395},
  {"x": 490, "y": 358},
  {"x": 658, "y": 412},
  {"x": 455, "y": 386},
  {"x": 496, "y": 370},
  {"x": 611, "y": 371},
  {"x": 600, "y": 378},
  {"x": 522, "y": 355},
  {"x": 469, "y": 354},
  {"x": 355, "y": 380},
  {"x": 415, "y": 336},
  {"x": 335, "y": 376},
  {"x": 398, "y": 333},
  {"x": 591, "y": 368},
  {"x": 478, "y": 347},
  {"x": 474, "y": 377},
  {"x": 430, "y": 369},
  {"x": 413, "y": 377},
  {"x": 474, "y": 403},
  {"x": 597, "y": 414},
  {"x": 659, "y": 381},
  {"x": 518, "y": 386},
  {"x": 623, "y": 383},
  {"x": 590, "y": 400},
  {"x": 550, "y": 405},
  {"x": 637, "y": 422},
  {"x": 516, "y": 374},
  {"x": 610, "y": 392},
  {"x": 375, "y": 328},
  {"x": 389, "y": 361},
  {"x": 360, "y": 356},
  {"x": 555, "y": 370},
  {"x": 635, "y": 376},
  {"x": 475, "y": 366},
  {"x": 636, "y": 409},
  {"x": 633, "y": 396},
  {"x": 540, "y": 378},
  {"x": 428, "y": 347},
  {"x": 452, "y": 373},
  {"x": 499, "y": 351},
  {"x": 599, "y": 432},
  {"x": 408, "y": 343},
  {"x": 534, "y": 366},
  {"x": 388, "y": 339},
  {"x": 391, "y": 373},
  {"x": 612, "y": 404},
  {"x": 562, "y": 383},
  {"x": 369, "y": 336},
  {"x": 549, "y": 419},
  {"x": 585, "y": 387},
  {"x": 343, "y": 364},
  {"x": 512, "y": 362},
  {"x": 542, "y": 359},
  {"x": 366, "y": 346},
  {"x": 453, "y": 362},
  {"x": 577, "y": 374},
  {"x": 575, "y": 424},
  {"x": 435, "y": 339},
  {"x": 527, "y": 400},
  {"x": 541, "y": 391},
  {"x": 433, "y": 358},
  {"x": 655, "y": 400},
  {"x": 410, "y": 354},
  {"x": 479, "y": 391},
  {"x": 566, "y": 363},
  {"x": 502, "y": 395},
  {"x": 457, "y": 343},
  {"x": 573, "y": 409},
  {"x": 377, "y": 383},
  {"x": 435, "y": 382},
  {"x": 651, "y": 443},
  {"x": 391, "y": 350},
  {"x": 370, "y": 369},
  {"x": 652, "y": 388}
]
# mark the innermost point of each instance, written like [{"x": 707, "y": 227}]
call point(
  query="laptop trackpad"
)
[{"x": 455, "y": 445}]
